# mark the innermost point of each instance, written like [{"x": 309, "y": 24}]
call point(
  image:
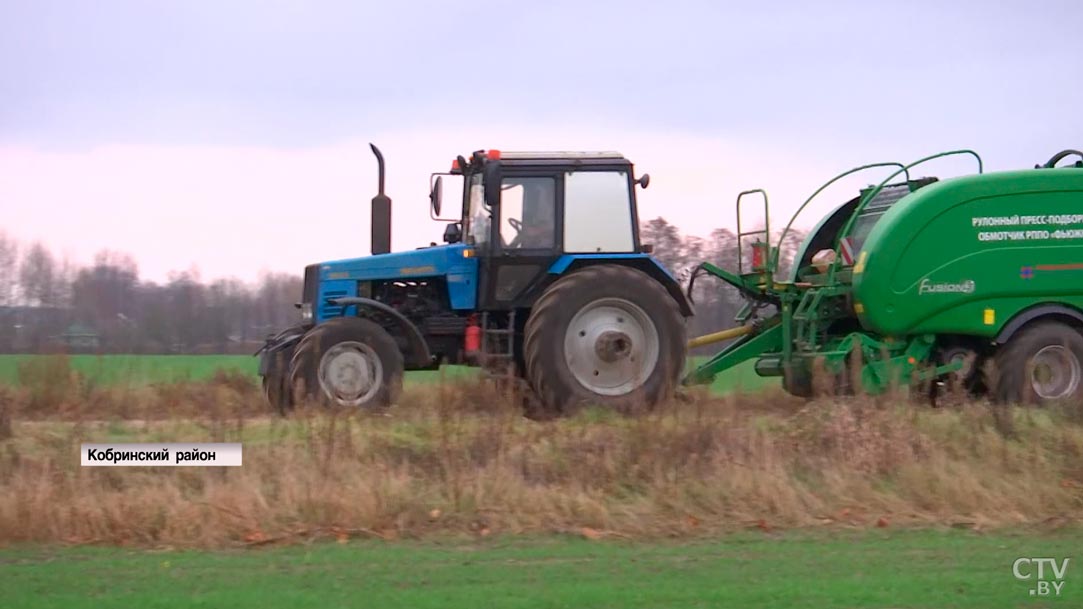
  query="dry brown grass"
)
[{"x": 459, "y": 459}]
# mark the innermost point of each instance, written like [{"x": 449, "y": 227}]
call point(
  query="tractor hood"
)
[
  {"x": 423, "y": 262},
  {"x": 447, "y": 261}
]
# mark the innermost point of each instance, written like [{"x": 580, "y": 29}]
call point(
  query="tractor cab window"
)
[
  {"x": 478, "y": 214},
  {"x": 598, "y": 212},
  {"x": 528, "y": 213}
]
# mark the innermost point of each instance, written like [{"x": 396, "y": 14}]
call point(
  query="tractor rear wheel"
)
[
  {"x": 1041, "y": 364},
  {"x": 348, "y": 362},
  {"x": 607, "y": 335}
]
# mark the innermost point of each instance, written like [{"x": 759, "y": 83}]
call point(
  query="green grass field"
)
[
  {"x": 897, "y": 569},
  {"x": 143, "y": 369},
  {"x": 138, "y": 369}
]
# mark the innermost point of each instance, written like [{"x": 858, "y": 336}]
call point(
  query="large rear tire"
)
[
  {"x": 607, "y": 335},
  {"x": 347, "y": 362},
  {"x": 1042, "y": 364}
]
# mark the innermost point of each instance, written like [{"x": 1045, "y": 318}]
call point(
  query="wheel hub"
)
[
  {"x": 350, "y": 373},
  {"x": 611, "y": 346},
  {"x": 1055, "y": 372}
]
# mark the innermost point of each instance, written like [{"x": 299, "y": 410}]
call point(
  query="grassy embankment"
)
[{"x": 458, "y": 458}]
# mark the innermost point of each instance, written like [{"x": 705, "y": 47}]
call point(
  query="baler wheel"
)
[
  {"x": 347, "y": 362},
  {"x": 1041, "y": 364},
  {"x": 797, "y": 383},
  {"x": 607, "y": 335},
  {"x": 967, "y": 383}
]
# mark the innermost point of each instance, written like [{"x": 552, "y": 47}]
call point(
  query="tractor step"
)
[{"x": 497, "y": 356}]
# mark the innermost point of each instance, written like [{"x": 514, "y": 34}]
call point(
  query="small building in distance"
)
[{"x": 78, "y": 338}]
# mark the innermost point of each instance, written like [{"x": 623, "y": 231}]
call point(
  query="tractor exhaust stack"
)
[{"x": 381, "y": 212}]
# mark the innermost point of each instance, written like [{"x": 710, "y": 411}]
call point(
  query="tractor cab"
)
[{"x": 523, "y": 211}]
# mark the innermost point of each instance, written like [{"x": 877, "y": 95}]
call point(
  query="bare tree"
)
[
  {"x": 63, "y": 283},
  {"x": 274, "y": 300},
  {"x": 103, "y": 297},
  {"x": 9, "y": 261},
  {"x": 37, "y": 275},
  {"x": 667, "y": 242},
  {"x": 226, "y": 303},
  {"x": 187, "y": 307}
]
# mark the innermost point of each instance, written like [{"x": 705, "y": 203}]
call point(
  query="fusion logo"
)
[
  {"x": 963, "y": 287},
  {"x": 1036, "y": 570}
]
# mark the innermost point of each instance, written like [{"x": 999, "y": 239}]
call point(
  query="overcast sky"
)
[{"x": 232, "y": 136}]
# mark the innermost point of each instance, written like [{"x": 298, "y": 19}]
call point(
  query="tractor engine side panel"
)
[
  {"x": 449, "y": 262},
  {"x": 965, "y": 255},
  {"x": 425, "y": 302},
  {"x": 433, "y": 288}
]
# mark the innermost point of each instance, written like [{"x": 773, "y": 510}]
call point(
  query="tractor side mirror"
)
[
  {"x": 453, "y": 233},
  {"x": 436, "y": 195},
  {"x": 492, "y": 184},
  {"x": 644, "y": 180}
]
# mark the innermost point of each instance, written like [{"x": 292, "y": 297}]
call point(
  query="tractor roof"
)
[
  {"x": 544, "y": 158},
  {"x": 562, "y": 157},
  {"x": 564, "y": 154}
]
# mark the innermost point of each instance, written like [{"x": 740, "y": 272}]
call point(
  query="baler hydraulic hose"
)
[
  {"x": 692, "y": 281},
  {"x": 715, "y": 337}
]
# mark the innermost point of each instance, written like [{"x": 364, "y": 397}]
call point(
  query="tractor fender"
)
[
  {"x": 1066, "y": 313},
  {"x": 419, "y": 356},
  {"x": 283, "y": 340},
  {"x": 643, "y": 262}
]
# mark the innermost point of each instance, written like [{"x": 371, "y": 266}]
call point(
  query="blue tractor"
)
[{"x": 542, "y": 277}]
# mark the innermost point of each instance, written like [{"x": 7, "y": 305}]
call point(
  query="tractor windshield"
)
[
  {"x": 528, "y": 212},
  {"x": 478, "y": 214}
]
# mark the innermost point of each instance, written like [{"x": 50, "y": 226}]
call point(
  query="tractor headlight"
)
[{"x": 306, "y": 312}]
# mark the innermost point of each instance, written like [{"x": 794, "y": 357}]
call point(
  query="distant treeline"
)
[
  {"x": 48, "y": 304},
  {"x": 51, "y": 305}
]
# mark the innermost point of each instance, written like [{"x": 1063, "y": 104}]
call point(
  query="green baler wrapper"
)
[
  {"x": 964, "y": 256},
  {"x": 940, "y": 265}
]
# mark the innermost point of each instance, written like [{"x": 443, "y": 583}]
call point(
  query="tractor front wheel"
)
[
  {"x": 606, "y": 335},
  {"x": 348, "y": 362},
  {"x": 275, "y": 382}
]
